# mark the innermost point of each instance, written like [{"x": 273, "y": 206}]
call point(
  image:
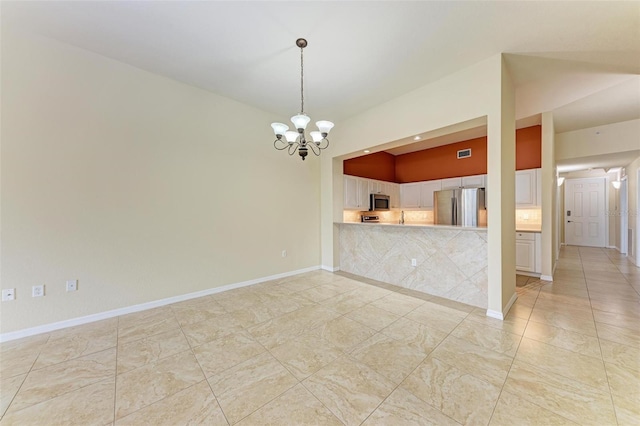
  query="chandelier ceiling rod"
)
[{"x": 296, "y": 140}]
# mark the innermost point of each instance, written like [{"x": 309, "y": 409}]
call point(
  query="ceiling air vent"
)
[{"x": 464, "y": 153}]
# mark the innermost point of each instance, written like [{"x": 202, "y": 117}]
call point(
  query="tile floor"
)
[{"x": 324, "y": 348}]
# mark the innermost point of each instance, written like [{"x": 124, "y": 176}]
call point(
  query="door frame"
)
[
  {"x": 605, "y": 201},
  {"x": 623, "y": 193}
]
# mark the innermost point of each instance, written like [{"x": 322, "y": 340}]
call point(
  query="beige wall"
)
[
  {"x": 140, "y": 187},
  {"x": 611, "y": 138}
]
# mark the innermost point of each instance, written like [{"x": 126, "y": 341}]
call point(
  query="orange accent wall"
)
[
  {"x": 380, "y": 166},
  {"x": 441, "y": 162},
  {"x": 529, "y": 148}
]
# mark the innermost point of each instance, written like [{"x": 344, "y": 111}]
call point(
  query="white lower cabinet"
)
[{"x": 527, "y": 252}]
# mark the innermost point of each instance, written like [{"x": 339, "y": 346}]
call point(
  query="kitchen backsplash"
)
[
  {"x": 528, "y": 217},
  {"x": 392, "y": 216}
]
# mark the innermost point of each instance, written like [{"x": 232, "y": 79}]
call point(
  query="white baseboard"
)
[
  {"x": 13, "y": 335},
  {"x": 501, "y": 315},
  {"x": 528, "y": 274},
  {"x": 329, "y": 268},
  {"x": 546, "y": 277}
]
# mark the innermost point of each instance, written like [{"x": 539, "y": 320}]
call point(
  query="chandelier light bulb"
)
[
  {"x": 279, "y": 128},
  {"x": 316, "y": 136},
  {"x": 291, "y": 136},
  {"x": 300, "y": 121},
  {"x": 324, "y": 126}
]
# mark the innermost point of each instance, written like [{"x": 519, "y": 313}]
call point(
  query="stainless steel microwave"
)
[{"x": 379, "y": 202}]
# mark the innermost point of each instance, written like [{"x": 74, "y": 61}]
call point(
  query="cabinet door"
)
[
  {"x": 526, "y": 188},
  {"x": 426, "y": 192},
  {"x": 476, "y": 181},
  {"x": 538, "y": 187},
  {"x": 394, "y": 193},
  {"x": 375, "y": 187},
  {"x": 410, "y": 195},
  {"x": 363, "y": 194},
  {"x": 351, "y": 194},
  {"x": 451, "y": 183},
  {"x": 525, "y": 255}
]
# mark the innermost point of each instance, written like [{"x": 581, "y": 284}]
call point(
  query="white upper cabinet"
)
[
  {"x": 451, "y": 183},
  {"x": 376, "y": 187},
  {"x": 418, "y": 195},
  {"x": 528, "y": 188},
  {"x": 477, "y": 181},
  {"x": 356, "y": 193}
]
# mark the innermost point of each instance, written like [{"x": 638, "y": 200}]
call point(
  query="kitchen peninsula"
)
[{"x": 450, "y": 261}]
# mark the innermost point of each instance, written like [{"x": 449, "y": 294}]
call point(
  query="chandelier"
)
[{"x": 297, "y": 140}]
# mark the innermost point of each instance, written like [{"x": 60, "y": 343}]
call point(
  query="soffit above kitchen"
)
[{"x": 360, "y": 54}]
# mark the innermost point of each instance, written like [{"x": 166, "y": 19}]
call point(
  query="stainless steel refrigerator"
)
[{"x": 460, "y": 207}]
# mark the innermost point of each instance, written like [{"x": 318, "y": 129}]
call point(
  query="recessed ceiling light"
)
[
  {"x": 367, "y": 151},
  {"x": 417, "y": 138}
]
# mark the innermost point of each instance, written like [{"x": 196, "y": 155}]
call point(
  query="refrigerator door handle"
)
[{"x": 454, "y": 211}]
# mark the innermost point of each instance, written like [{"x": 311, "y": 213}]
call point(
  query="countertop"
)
[
  {"x": 528, "y": 228},
  {"x": 519, "y": 227},
  {"x": 415, "y": 225}
]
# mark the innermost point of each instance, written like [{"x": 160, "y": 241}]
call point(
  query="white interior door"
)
[
  {"x": 584, "y": 203},
  {"x": 624, "y": 217}
]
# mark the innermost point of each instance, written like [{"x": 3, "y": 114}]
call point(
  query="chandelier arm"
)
[
  {"x": 285, "y": 144},
  {"x": 293, "y": 148},
  {"x": 314, "y": 148},
  {"x": 320, "y": 145}
]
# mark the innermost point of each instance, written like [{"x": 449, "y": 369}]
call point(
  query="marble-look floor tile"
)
[
  {"x": 582, "y": 324},
  {"x": 243, "y": 389},
  {"x": 389, "y": 357},
  {"x": 627, "y": 410},
  {"x": 625, "y": 336},
  {"x": 18, "y": 356},
  {"x": 196, "y": 313},
  {"x": 345, "y": 302},
  {"x": 49, "y": 382},
  {"x": 8, "y": 388},
  {"x": 343, "y": 333},
  {"x": 483, "y": 363},
  {"x": 322, "y": 292},
  {"x": 623, "y": 382},
  {"x": 306, "y": 354},
  {"x": 349, "y": 389},
  {"x": 581, "y": 368},
  {"x": 404, "y": 408},
  {"x": 512, "y": 325},
  {"x": 565, "y": 339},
  {"x": 565, "y": 299},
  {"x": 566, "y": 397},
  {"x": 619, "y": 354},
  {"x": 161, "y": 323},
  {"x": 194, "y": 405},
  {"x": 297, "y": 406},
  {"x": 617, "y": 306},
  {"x": 145, "y": 351},
  {"x": 513, "y": 409},
  {"x": 148, "y": 316},
  {"x": 92, "y": 404},
  {"x": 436, "y": 318},
  {"x": 372, "y": 317},
  {"x": 398, "y": 304},
  {"x": 618, "y": 320},
  {"x": 77, "y": 341},
  {"x": 487, "y": 337},
  {"x": 206, "y": 331},
  {"x": 279, "y": 330},
  {"x": 415, "y": 335},
  {"x": 220, "y": 354},
  {"x": 143, "y": 386},
  {"x": 459, "y": 395}
]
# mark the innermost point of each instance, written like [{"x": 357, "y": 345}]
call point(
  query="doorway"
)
[
  {"x": 585, "y": 207},
  {"x": 624, "y": 216}
]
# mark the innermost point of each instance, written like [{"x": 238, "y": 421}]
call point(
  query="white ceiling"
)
[{"x": 578, "y": 59}]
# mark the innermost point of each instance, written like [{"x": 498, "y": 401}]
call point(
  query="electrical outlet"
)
[
  {"x": 72, "y": 285},
  {"x": 284, "y": 253},
  {"x": 8, "y": 294},
  {"x": 414, "y": 262},
  {"x": 37, "y": 290}
]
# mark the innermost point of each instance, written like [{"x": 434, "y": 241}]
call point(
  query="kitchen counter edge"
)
[{"x": 416, "y": 225}]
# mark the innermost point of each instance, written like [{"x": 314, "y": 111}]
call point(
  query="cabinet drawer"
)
[{"x": 530, "y": 236}]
